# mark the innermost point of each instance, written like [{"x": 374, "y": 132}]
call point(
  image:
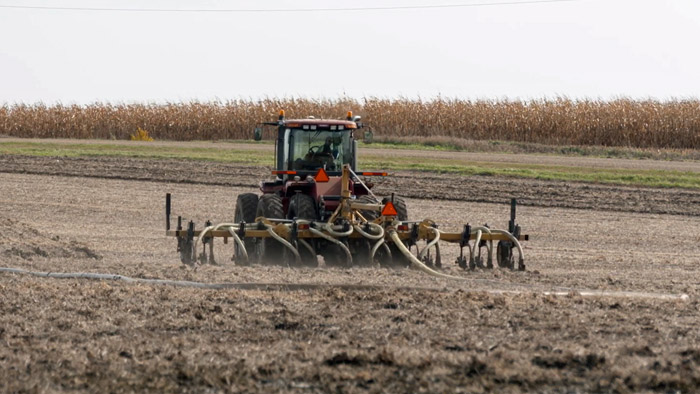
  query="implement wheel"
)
[
  {"x": 246, "y": 205},
  {"x": 303, "y": 206},
  {"x": 504, "y": 255},
  {"x": 269, "y": 250}
]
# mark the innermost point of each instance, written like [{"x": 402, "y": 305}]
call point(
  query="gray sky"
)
[{"x": 581, "y": 49}]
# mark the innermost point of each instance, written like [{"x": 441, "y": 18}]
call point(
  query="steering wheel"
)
[{"x": 314, "y": 150}]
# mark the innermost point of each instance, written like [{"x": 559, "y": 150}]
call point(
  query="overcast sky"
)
[{"x": 579, "y": 49}]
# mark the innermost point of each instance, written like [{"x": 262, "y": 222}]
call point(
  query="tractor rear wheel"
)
[
  {"x": 400, "y": 205},
  {"x": 303, "y": 206},
  {"x": 246, "y": 205},
  {"x": 367, "y": 214},
  {"x": 269, "y": 250}
]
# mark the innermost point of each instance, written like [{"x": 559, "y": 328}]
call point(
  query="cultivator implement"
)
[{"x": 358, "y": 231}]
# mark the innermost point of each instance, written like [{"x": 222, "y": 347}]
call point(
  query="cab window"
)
[{"x": 314, "y": 149}]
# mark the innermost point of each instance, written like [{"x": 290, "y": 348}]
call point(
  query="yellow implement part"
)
[{"x": 306, "y": 234}]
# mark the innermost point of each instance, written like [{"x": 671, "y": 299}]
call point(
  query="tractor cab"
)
[
  {"x": 312, "y": 144},
  {"x": 310, "y": 155},
  {"x": 303, "y": 146}
]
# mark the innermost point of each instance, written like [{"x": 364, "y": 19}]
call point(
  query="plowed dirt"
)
[{"x": 106, "y": 215}]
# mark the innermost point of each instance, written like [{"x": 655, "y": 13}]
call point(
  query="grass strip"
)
[
  {"x": 135, "y": 151},
  {"x": 664, "y": 179},
  {"x": 632, "y": 177},
  {"x": 495, "y": 146}
]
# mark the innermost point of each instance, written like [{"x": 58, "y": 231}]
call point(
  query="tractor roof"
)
[{"x": 347, "y": 124}]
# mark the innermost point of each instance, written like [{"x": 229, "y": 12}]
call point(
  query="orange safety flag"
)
[
  {"x": 389, "y": 210},
  {"x": 321, "y": 176}
]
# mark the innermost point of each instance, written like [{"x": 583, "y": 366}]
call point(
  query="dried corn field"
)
[{"x": 629, "y": 123}]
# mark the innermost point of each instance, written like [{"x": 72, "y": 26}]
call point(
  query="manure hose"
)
[
  {"x": 430, "y": 244},
  {"x": 335, "y": 241},
  {"x": 489, "y": 231},
  {"x": 415, "y": 261},
  {"x": 314, "y": 286},
  {"x": 373, "y": 237},
  {"x": 284, "y": 242},
  {"x": 231, "y": 227}
]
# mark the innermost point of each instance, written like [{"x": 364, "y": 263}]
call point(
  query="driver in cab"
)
[
  {"x": 323, "y": 156},
  {"x": 326, "y": 155},
  {"x": 327, "y": 149}
]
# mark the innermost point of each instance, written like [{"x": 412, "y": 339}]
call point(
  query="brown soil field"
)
[{"x": 493, "y": 331}]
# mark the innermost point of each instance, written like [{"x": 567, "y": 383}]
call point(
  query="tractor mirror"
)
[
  {"x": 369, "y": 135},
  {"x": 257, "y": 134}
]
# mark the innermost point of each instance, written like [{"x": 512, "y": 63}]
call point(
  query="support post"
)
[
  {"x": 167, "y": 211},
  {"x": 511, "y": 224}
]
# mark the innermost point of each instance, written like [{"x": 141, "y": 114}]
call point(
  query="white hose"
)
[
  {"x": 335, "y": 241},
  {"x": 490, "y": 245},
  {"x": 231, "y": 227},
  {"x": 477, "y": 240},
  {"x": 478, "y": 230},
  {"x": 284, "y": 242},
  {"x": 337, "y": 234},
  {"x": 387, "y": 250},
  {"x": 375, "y": 247},
  {"x": 200, "y": 238},
  {"x": 431, "y": 243},
  {"x": 307, "y": 246},
  {"x": 417, "y": 263},
  {"x": 240, "y": 243},
  {"x": 315, "y": 286},
  {"x": 374, "y": 237}
]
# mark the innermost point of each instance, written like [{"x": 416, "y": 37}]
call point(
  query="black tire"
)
[
  {"x": 269, "y": 250},
  {"x": 504, "y": 255},
  {"x": 367, "y": 199},
  {"x": 400, "y": 205},
  {"x": 246, "y": 206},
  {"x": 303, "y": 206}
]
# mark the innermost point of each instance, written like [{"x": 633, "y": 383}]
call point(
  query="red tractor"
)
[
  {"x": 320, "y": 204},
  {"x": 310, "y": 155}
]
